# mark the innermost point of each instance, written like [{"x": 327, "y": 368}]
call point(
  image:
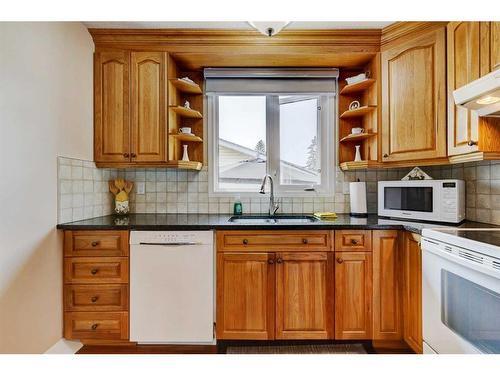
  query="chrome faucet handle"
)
[{"x": 275, "y": 208}]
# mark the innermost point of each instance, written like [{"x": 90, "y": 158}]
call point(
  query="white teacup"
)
[
  {"x": 185, "y": 130},
  {"x": 357, "y": 130}
]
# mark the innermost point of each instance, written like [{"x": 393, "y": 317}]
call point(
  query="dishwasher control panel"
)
[{"x": 171, "y": 237}]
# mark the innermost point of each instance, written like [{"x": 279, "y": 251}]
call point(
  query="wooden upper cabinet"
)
[
  {"x": 148, "y": 106},
  {"x": 489, "y": 46},
  {"x": 353, "y": 296},
  {"x": 111, "y": 106},
  {"x": 304, "y": 296},
  {"x": 245, "y": 296},
  {"x": 414, "y": 99},
  {"x": 387, "y": 276},
  {"x": 463, "y": 67},
  {"x": 494, "y": 36},
  {"x": 412, "y": 291}
]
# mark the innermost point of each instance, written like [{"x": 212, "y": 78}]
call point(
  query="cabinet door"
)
[
  {"x": 111, "y": 107},
  {"x": 304, "y": 304},
  {"x": 494, "y": 45},
  {"x": 412, "y": 291},
  {"x": 463, "y": 67},
  {"x": 148, "y": 106},
  {"x": 414, "y": 99},
  {"x": 353, "y": 296},
  {"x": 387, "y": 322},
  {"x": 245, "y": 296}
]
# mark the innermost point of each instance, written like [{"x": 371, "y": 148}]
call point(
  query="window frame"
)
[{"x": 327, "y": 124}]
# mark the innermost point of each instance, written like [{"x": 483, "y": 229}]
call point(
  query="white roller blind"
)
[{"x": 219, "y": 81}]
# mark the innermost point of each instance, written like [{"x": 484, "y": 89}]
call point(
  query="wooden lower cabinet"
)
[
  {"x": 304, "y": 301},
  {"x": 353, "y": 293},
  {"x": 412, "y": 291},
  {"x": 96, "y": 325},
  {"x": 387, "y": 275},
  {"x": 96, "y": 286},
  {"x": 353, "y": 296},
  {"x": 245, "y": 296}
]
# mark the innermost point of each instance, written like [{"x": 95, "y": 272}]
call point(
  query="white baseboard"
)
[{"x": 64, "y": 346}]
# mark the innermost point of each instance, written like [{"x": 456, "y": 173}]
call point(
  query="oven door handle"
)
[
  {"x": 170, "y": 244},
  {"x": 481, "y": 268}
]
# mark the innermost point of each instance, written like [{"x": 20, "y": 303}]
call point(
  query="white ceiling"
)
[{"x": 234, "y": 25}]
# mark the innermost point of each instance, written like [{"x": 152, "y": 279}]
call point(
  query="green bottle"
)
[{"x": 238, "y": 207}]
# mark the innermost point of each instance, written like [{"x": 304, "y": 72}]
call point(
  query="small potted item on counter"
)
[{"x": 238, "y": 207}]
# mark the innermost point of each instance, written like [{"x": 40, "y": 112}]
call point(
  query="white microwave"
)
[{"x": 429, "y": 200}]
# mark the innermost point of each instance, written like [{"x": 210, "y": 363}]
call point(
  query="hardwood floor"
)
[
  {"x": 148, "y": 349},
  {"x": 221, "y": 347}
]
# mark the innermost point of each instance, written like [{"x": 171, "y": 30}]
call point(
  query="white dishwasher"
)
[{"x": 172, "y": 287}]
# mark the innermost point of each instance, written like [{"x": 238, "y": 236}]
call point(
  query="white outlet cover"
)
[{"x": 140, "y": 187}]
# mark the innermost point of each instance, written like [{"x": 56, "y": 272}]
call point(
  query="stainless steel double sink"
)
[{"x": 281, "y": 219}]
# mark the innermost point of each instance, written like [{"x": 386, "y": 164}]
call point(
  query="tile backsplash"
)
[{"x": 83, "y": 191}]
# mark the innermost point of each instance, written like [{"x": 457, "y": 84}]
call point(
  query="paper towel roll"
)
[{"x": 357, "y": 191}]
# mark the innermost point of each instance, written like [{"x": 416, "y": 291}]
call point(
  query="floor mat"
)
[{"x": 298, "y": 349}]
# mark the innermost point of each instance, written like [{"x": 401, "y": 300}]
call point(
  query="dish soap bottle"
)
[{"x": 238, "y": 207}]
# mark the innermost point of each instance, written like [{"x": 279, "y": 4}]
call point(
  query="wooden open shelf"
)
[
  {"x": 357, "y": 87},
  {"x": 367, "y": 117},
  {"x": 186, "y": 137},
  {"x": 178, "y": 116},
  {"x": 357, "y": 137},
  {"x": 353, "y": 165},
  {"x": 179, "y": 164},
  {"x": 186, "y": 112},
  {"x": 186, "y": 87},
  {"x": 359, "y": 112}
]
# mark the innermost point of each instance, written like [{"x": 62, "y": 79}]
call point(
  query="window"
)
[{"x": 285, "y": 134}]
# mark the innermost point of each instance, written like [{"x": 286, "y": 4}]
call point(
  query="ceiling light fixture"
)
[
  {"x": 269, "y": 28},
  {"x": 488, "y": 100}
]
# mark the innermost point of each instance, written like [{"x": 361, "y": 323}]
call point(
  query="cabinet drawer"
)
[
  {"x": 96, "y": 243},
  {"x": 96, "y": 270},
  {"x": 266, "y": 240},
  {"x": 353, "y": 240},
  {"x": 96, "y": 297},
  {"x": 96, "y": 325}
]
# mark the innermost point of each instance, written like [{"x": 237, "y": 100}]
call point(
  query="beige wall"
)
[{"x": 45, "y": 111}]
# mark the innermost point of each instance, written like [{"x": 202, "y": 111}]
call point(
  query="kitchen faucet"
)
[{"x": 273, "y": 207}]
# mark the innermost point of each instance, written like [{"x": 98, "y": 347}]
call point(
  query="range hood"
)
[{"x": 481, "y": 95}]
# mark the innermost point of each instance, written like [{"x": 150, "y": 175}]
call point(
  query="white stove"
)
[{"x": 461, "y": 290}]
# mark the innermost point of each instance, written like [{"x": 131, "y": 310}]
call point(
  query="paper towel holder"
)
[{"x": 363, "y": 212}]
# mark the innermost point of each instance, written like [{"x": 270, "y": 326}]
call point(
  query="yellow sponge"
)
[{"x": 325, "y": 215}]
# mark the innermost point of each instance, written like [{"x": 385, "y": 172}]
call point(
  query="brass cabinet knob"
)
[
  {"x": 340, "y": 260},
  {"x": 245, "y": 241},
  {"x": 270, "y": 261},
  {"x": 133, "y": 155},
  {"x": 304, "y": 241},
  {"x": 93, "y": 271},
  {"x": 279, "y": 260},
  {"x": 385, "y": 156},
  {"x": 94, "y": 326},
  {"x": 126, "y": 155},
  {"x": 472, "y": 143},
  {"x": 94, "y": 299},
  {"x": 353, "y": 241},
  {"x": 95, "y": 243}
]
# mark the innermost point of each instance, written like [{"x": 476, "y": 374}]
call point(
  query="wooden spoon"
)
[
  {"x": 120, "y": 183},
  {"x": 128, "y": 186},
  {"x": 113, "y": 188}
]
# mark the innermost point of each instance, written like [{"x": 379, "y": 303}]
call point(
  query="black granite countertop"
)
[{"x": 218, "y": 221}]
